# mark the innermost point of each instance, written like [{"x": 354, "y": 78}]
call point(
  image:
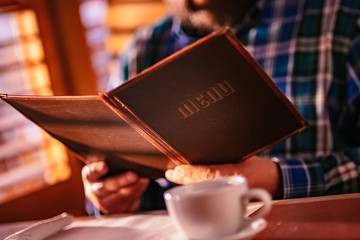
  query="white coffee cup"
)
[{"x": 214, "y": 208}]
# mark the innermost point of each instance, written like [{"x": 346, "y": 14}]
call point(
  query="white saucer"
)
[
  {"x": 249, "y": 232},
  {"x": 244, "y": 234}
]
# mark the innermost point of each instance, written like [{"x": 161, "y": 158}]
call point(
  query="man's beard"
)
[{"x": 203, "y": 20}]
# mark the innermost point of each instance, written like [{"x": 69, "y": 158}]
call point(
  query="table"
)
[{"x": 329, "y": 217}]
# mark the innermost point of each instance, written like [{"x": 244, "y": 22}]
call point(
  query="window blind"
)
[{"x": 29, "y": 159}]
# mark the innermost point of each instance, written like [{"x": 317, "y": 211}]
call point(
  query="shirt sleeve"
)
[
  {"x": 334, "y": 174},
  {"x": 339, "y": 172}
]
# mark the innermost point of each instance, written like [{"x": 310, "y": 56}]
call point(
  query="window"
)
[
  {"x": 29, "y": 159},
  {"x": 93, "y": 15}
]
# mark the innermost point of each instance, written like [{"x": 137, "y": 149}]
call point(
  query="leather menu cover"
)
[
  {"x": 88, "y": 126},
  {"x": 209, "y": 103}
]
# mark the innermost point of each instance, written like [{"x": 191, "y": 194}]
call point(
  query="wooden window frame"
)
[{"x": 68, "y": 59}]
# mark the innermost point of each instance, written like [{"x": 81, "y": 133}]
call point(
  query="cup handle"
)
[{"x": 257, "y": 194}]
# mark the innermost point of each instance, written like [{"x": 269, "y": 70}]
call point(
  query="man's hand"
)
[
  {"x": 115, "y": 194},
  {"x": 259, "y": 172}
]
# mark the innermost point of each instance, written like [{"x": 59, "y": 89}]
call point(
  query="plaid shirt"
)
[{"x": 311, "y": 49}]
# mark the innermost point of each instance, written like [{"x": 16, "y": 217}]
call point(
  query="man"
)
[{"x": 310, "y": 48}]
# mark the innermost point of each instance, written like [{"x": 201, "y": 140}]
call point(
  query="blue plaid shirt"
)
[{"x": 311, "y": 49}]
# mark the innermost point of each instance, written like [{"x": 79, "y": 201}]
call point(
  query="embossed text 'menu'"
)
[{"x": 205, "y": 99}]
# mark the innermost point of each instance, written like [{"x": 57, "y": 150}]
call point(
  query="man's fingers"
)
[
  {"x": 120, "y": 181},
  {"x": 123, "y": 197},
  {"x": 113, "y": 184},
  {"x": 99, "y": 189},
  {"x": 185, "y": 174},
  {"x": 94, "y": 171}
]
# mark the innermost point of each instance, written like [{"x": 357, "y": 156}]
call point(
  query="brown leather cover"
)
[
  {"x": 88, "y": 126},
  {"x": 209, "y": 103},
  {"x": 330, "y": 217}
]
